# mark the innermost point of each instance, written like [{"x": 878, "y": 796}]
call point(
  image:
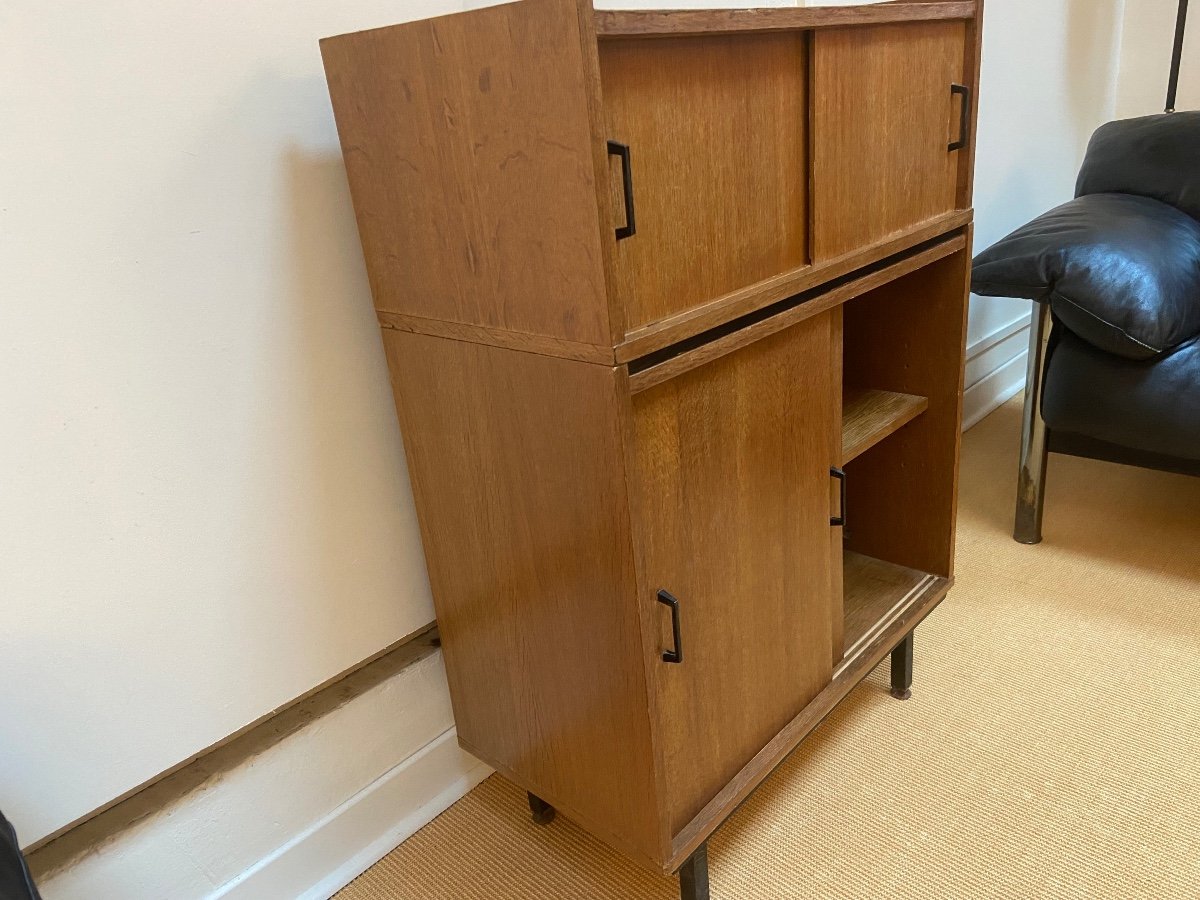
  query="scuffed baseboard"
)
[{"x": 298, "y": 817}]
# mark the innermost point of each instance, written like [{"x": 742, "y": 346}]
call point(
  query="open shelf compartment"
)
[
  {"x": 879, "y": 597},
  {"x": 901, "y": 417}
]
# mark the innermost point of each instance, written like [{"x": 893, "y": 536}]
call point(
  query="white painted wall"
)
[
  {"x": 205, "y": 508},
  {"x": 1048, "y": 80},
  {"x": 1149, "y": 33}
]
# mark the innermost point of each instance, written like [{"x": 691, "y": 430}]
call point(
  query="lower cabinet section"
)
[{"x": 649, "y": 596}]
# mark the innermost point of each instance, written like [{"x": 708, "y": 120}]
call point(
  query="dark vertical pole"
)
[
  {"x": 693, "y": 875},
  {"x": 1176, "y": 55}
]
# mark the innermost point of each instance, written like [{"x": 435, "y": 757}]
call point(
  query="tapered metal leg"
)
[
  {"x": 693, "y": 876},
  {"x": 543, "y": 812},
  {"x": 902, "y": 660},
  {"x": 1031, "y": 479}
]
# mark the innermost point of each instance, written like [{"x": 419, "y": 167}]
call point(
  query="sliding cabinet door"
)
[
  {"x": 888, "y": 112},
  {"x": 716, "y": 131},
  {"x": 731, "y": 476}
]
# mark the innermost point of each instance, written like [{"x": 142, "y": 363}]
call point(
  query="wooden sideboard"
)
[{"x": 674, "y": 305}]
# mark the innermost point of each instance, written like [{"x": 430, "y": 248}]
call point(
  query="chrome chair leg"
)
[{"x": 1031, "y": 479}]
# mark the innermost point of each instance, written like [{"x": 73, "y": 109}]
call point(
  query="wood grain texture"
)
[
  {"x": 517, "y": 471},
  {"x": 869, "y": 416},
  {"x": 644, "y": 379},
  {"x": 651, "y": 23},
  {"x": 498, "y": 337},
  {"x": 471, "y": 158},
  {"x": 912, "y": 477},
  {"x": 882, "y": 117},
  {"x": 852, "y": 670},
  {"x": 716, "y": 130},
  {"x": 558, "y": 489},
  {"x": 743, "y": 301},
  {"x": 732, "y": 476}
]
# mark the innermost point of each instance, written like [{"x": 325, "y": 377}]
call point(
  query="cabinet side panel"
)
[
  {"x": 909, "y": 336},
  {"x": 517, "y": 470},
  {"x": 470, "y": 154}
]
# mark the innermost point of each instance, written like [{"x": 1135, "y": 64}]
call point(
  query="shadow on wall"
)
[
  {"x": 1093, "y": 58},
  {"x": 1146, "y": 46},
  {"x": 357, "y": 455},
  {"x": 327, "y": 520}
]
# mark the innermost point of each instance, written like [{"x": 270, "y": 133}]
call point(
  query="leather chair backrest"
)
[{"x": 1152, "y": 156}]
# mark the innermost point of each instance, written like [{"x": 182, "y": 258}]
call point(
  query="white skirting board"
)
[
  {"x": 302, "y": 818},
  {"x": 334, "y": 851},
  {"x": 995, "y": 370}
]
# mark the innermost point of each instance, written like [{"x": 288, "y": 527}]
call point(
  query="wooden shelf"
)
[
  {"x": 876, "y": 594},
  {"x": 870, "y": 416}
]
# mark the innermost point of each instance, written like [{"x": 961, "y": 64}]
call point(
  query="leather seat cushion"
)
[
  {"x": 1121, "y": 271},
  {"x": 1147, "y": 405}
]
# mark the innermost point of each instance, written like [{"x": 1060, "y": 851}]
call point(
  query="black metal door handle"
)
[
  {"x": 629, "y": 229},
  {"x": 839, "y": 520},
  {"x": 964, "y": 124},
  {"x": 676, "y": 655}
]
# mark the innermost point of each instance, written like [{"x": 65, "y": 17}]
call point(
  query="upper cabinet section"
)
[
  {"x": 602, "y": 185},
  {"x": 469, "y": 148},
  {"x": 715, "y": 128},
  {"x": 891, "y": 122}
]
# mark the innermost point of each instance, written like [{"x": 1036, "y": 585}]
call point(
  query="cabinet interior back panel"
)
[{"x": 717, "y": 130}]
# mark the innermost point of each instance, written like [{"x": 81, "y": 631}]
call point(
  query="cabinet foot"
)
[
  {"x": 902, "y": 665},
  {"x": 543, "y": 812},
  {"x": 693, "y": 875}
]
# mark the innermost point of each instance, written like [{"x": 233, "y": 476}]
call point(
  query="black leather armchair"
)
[{"x": 1114, "y": 362}]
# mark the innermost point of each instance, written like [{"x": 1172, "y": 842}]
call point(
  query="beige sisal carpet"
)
[{"x": 1051, "y": 748}]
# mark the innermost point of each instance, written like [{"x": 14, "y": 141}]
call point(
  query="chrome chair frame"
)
[{"x": 1031, "y": 477}]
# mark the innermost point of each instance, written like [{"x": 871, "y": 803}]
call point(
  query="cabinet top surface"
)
[
  {"x": 615, "y": 23},
  {"x": 665, "y": 22}
]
